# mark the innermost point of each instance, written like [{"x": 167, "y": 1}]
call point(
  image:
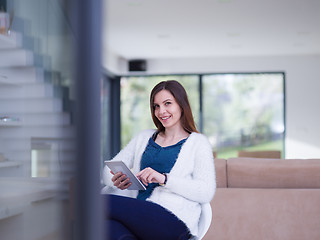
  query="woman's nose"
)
[{"x": 162, "y": 110}]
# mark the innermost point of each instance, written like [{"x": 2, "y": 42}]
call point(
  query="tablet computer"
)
[{"x": 119, "y": 166}]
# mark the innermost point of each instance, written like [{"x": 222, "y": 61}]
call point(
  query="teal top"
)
[{"x": 160, "y": 159}]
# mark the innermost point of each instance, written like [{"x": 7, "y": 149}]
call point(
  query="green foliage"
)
[{"x": 232, "y": 152}]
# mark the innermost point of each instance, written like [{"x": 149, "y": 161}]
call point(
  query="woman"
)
[{"x": 175, "y": 162}]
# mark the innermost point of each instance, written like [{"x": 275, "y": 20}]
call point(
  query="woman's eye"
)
[
  {"x": 167, "y": 103},
  {"x": 155, "y": 106}
]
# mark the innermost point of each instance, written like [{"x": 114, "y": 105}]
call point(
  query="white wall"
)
[{"x": 302, "y": 90}]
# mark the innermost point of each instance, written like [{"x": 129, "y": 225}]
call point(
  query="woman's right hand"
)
[{"x": 120, "y": 180}]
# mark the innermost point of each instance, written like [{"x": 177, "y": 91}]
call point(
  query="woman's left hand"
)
[{"x": 148, "y": 175}]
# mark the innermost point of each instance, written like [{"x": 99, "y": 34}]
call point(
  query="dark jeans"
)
[{"x": 130, "y": 218}]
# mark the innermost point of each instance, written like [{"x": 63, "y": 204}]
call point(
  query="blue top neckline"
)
[{"x": 170, "y": 146}]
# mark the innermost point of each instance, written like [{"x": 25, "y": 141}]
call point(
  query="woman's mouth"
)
[{"x": 165, "y": 118}]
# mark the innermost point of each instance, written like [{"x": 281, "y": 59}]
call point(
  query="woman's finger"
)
[
  {"x": 143, "y": 180},
  {"x": 115, "y": 176},
  {"x": 142, "y": 172},
  {"x": 118, "y": 178},
  {"x": 124, "y": 184},
  {"x": 148, "y": 175},
  {"x": 142, "y": 177},
  {"x": 149, "y": 178}
]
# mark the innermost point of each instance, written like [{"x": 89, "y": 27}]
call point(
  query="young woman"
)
[{"x": 176, "y": 164}]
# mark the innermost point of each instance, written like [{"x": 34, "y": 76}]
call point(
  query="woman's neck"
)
[
  {"x": 174, "y": 134},
  {"x": 168, "y": 138}
]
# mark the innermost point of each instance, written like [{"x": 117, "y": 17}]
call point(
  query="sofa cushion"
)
[
  {"x": 265, "y": 214},
  {"x": 273, "y": 173},
  {"x": 221, "y": 172}
]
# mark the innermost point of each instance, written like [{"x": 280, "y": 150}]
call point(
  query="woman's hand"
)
[
  {"x": 120, "y": 180},
  {"x": 148, "y": 175}
]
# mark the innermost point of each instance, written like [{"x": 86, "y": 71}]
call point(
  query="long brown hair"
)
[{"x": 180, "y": 95}]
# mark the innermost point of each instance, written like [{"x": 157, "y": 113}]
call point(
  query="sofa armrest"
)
[{"x": 221, "y": 172}]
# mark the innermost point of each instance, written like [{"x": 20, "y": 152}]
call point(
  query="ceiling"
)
[{"x": 152, "y": 29}]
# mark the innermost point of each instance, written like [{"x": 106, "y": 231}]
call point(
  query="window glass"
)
[{"x": 243, "y": 112}]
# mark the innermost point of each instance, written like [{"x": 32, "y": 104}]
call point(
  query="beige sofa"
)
[{"x": 266, "y": 199}]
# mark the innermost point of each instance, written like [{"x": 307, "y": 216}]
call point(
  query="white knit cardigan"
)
[{"x": 191, "y": 182}]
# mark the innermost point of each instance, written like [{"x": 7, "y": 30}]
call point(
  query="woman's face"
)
[{"x": 166, "y": 109}]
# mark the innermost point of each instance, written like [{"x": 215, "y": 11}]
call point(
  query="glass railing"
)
[
  {"x": 46, "y": 31},
  {"x": 36, "y": 129}
]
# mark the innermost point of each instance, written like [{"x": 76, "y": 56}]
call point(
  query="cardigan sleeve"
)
[
  {"x": 201, "y": 186},
  {"x": 126, "y": 155}
]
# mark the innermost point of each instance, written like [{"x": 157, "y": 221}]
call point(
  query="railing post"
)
[{"x": 88, "y": 75}]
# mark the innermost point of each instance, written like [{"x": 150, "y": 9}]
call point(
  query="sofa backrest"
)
[
  {"x": 273, "y": 173},
  {"x": 267, "y": 173}
]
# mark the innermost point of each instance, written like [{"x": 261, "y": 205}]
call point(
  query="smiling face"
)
[{"x": 167, "y": 110}]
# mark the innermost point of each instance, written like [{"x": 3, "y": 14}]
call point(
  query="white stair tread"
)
[
  {"x": 34, "y": 90},
  {"x": 10, "y": 124},
  {"x": 11, "y": 40},
  {"x": 20, "y": 74},
  {"x": 24, "y": 156},
  {"x": 10, "y": 211},
  {"x": 43, "y": 119},
  {"x": 15, "y": 57},
  {"x": 36, "y": 105},
  {"x": 42, "y": 132},
  {"x": 47, "y": 119},
  {"x": 6, "y": 164},
  {"x": 54, "y": 145}
]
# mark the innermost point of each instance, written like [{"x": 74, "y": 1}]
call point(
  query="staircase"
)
[{"x": 36, "y": 134}]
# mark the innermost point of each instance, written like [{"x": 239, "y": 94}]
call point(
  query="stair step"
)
[
  {"x": 21, "y": 75},
  {"x": 66, "y": 157},
  {"x": 57, "y": 145},
  {"x": 15, "y": 144},
  {"x": 59, "y": 165},
  {"x": 41, "y": 119},
  {"x": 15, "y": 57},
  {"x": 7, "y": 164},
  {"x": 6, "y": 123},
  {"x": 19, "y": 144},
  {"x": 46, "y": 119},
  {"x": 11, "y": 211},
  {"x": 34, "y": 105},
  {"x": 12, "y": 40},
  {"x": 24, "y": 91},
  {"x": 39, "y": 132},
  {"x": 11, "y": 171}
]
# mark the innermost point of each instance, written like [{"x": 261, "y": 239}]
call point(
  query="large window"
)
[{"x": 235, "y": 111}]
